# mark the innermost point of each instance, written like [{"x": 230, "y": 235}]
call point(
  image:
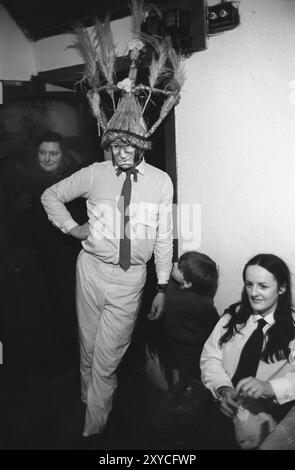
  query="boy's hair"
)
[{"x": 201, "y": 271}]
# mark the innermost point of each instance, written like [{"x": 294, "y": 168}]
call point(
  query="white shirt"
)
[
  {"x": 218, "y": 364},
  {"x": 150, "y": 213}
]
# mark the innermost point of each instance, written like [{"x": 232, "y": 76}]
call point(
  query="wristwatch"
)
[{"x": 162, "y": 288}]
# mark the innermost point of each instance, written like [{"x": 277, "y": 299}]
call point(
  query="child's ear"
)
[{"x": 187, "y": 285}]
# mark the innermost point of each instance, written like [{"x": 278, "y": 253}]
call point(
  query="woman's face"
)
[
  {"x": 49, "y": 156},
  {"x": 262, "y": 289}
]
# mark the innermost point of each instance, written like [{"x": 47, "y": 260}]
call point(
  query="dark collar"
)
[{"x": 130, "y": 171}]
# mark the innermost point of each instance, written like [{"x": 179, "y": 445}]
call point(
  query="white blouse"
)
[{"x": 218, "y": 364}]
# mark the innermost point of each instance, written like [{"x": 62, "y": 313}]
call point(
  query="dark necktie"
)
[
  {"x": 250, "y": 355},
  {"x": 124, "y": 202}
]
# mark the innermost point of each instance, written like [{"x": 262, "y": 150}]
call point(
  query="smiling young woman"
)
[
  {"x": 265, "y": 307},
  {"x": 263, "y": 289}
]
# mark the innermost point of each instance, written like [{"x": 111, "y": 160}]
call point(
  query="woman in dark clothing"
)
[
  {"x": 39, "y": 250},
  {"x": 25, "y": 180}
]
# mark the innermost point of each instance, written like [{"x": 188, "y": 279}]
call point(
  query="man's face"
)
[
  {"x": 124, "y": 155},
  {"x": 49, "y": 156}
]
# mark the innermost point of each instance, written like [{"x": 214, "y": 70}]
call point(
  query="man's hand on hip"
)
[{"x": 80, "y": 231}]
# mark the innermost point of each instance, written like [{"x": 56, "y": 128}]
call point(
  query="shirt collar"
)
[
  {"x": 141, "y": 166},
  {"x": 269, "y": 318}
]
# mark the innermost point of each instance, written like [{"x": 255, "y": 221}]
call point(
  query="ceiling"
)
[{"x": 40, "y": 19}]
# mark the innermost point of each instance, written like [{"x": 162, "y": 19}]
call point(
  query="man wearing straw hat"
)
[{"x": 129, "y": 204}]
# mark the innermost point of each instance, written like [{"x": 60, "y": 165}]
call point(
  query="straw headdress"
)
[{"x": 120, "y": 106}]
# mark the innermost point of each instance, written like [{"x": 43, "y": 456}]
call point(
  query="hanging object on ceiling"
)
[
  {"x": 175, "y": 23},
  {"x": 183, "y": 22},
  {"x": 222, "y": 17}
]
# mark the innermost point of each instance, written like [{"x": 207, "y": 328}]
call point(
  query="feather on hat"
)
[{"x": 129, "y": 99}]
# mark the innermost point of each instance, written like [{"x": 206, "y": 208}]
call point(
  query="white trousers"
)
[{"x": 108, "y": 300}]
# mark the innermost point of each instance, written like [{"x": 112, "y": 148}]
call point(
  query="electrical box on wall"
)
[
  {"x": 222, "y": 17},
  {"x": 183, "y": 21}
]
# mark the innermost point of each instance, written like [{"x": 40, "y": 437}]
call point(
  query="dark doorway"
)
[{"x": 31, "y": 337}]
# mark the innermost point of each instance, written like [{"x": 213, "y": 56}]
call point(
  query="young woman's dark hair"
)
[
  {"x": 282, "y": 331},
  {"x": 201, "y": 271}
]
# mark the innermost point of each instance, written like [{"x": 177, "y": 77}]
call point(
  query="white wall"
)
[
  {"x": 53, "y": 53},
  {"x": 16, "y": 55},
  {"x": 236, "y": 141}
]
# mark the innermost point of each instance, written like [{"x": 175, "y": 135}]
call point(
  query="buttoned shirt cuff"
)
[
  {"x": 68, "y": 225},
  {"x": 284, "y": 392},
  {"x": 163, "y": 274},
  {"x": 162, "y": 279}
]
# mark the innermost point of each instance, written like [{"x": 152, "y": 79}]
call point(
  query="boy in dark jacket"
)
[{"x": 189, "y": 316}]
